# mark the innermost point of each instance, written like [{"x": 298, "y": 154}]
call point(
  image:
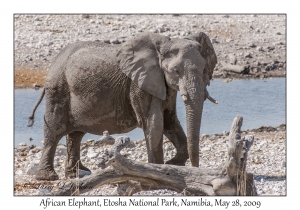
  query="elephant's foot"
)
[
  {"x": 177, "y": 160},
  {"x": 46, "y": 174},
  {"x": 72, "y": 173}
]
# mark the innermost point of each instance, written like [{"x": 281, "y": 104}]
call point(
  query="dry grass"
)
[{"x": 27, "y": 77}]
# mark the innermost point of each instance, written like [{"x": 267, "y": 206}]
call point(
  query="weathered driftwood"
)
[
  {"x": 106, "y": 139},
  {"x": 228, "y": 179},
  {"x": 235, "y": 68}
]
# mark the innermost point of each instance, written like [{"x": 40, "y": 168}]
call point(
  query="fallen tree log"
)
[
  {"x": 228, "y": 179},
  {"x": 235, "y": 68}
]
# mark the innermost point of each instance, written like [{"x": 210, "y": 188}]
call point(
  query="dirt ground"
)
[
  {"x": 24, "y": 78},
  {"x": 255, "y": 42},
  {"x": 266, "y": 159}
]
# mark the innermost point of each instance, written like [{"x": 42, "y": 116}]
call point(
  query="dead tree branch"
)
[{"x": 228, "y": 179}]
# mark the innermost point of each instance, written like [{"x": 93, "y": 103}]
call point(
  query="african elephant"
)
[{"x": 93, "y": 86}]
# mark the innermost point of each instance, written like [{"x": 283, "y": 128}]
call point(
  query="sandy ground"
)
[
  {"x": 256, "y": 42},
  {"x": 266, "y": 160}
]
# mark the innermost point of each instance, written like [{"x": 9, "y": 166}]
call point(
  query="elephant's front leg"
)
[
  {"x": 153, "y": 130},
  {"x": 174, "y": 132},
  {"x": 73, "y": 141}
]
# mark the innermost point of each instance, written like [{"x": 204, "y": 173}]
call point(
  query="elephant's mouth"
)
[{"x": 185, "y": 96}]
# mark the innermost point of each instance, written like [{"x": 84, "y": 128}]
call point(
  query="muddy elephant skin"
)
[{"x": 93, "y": 86}]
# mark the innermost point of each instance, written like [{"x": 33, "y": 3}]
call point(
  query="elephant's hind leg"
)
[
  {"x": 73, "y": 141},
  {"x": 55, "y": 127},
  {"x": 46, "y": 167}
]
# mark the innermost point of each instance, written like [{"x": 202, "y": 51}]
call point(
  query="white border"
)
[{"x": 153, "y": 6}]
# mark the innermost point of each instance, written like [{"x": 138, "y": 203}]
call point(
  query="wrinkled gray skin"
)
[{"x": 92, "y": 87}]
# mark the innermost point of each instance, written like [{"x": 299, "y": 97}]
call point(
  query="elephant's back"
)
[
  {"x": 99, "y": 91},
  {"x": 92, "y": 75},
  {"x": 76, "y": 51},
  {"x": 80, "y": 55},
  {"x": 88, "y": 65}
]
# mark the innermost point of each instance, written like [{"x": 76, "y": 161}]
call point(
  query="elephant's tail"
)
[{"x": 31, "y": 117}]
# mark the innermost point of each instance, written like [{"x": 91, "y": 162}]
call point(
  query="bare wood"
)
[
  {"x": 128, "y": 188},
  {"x": 238, "y": 152},
  {"x": 234, "y": 68},
  {"x": 106, "y": 139},
  {"x": 230, "y": 179}
]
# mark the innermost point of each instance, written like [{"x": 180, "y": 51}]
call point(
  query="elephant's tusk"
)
[
  {"x": 212, "y": 100},
  {"x": 184, "y": 97}
]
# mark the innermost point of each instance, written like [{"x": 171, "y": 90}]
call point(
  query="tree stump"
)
[
  {"x": 106, "y": 139},
  {"x": 228, "y": 179}
]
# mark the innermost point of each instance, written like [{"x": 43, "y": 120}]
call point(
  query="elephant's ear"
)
[
  {"x": 208, "y": 53},
  {"x": 139, "y": 59}
]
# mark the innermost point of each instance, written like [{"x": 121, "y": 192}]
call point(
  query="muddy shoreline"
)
[
  {"x": 27, "y": 78},
  {"x": 256, "y": 43}
]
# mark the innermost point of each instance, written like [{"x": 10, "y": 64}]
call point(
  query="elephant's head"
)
[{"x": 153, "y": 61}]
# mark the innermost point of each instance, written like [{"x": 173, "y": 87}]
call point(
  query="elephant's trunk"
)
[{"x": 193, "y": 96}]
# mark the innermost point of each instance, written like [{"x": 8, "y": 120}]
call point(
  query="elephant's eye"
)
[
  {"x": 170, "y": 53},
  {"x": 174, "y": 51},
  {"x": 173, "y": 72},
  {"x": 165, "y": 55}
]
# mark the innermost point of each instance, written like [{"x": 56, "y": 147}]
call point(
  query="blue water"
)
[{"x": 259, "y": 102}]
